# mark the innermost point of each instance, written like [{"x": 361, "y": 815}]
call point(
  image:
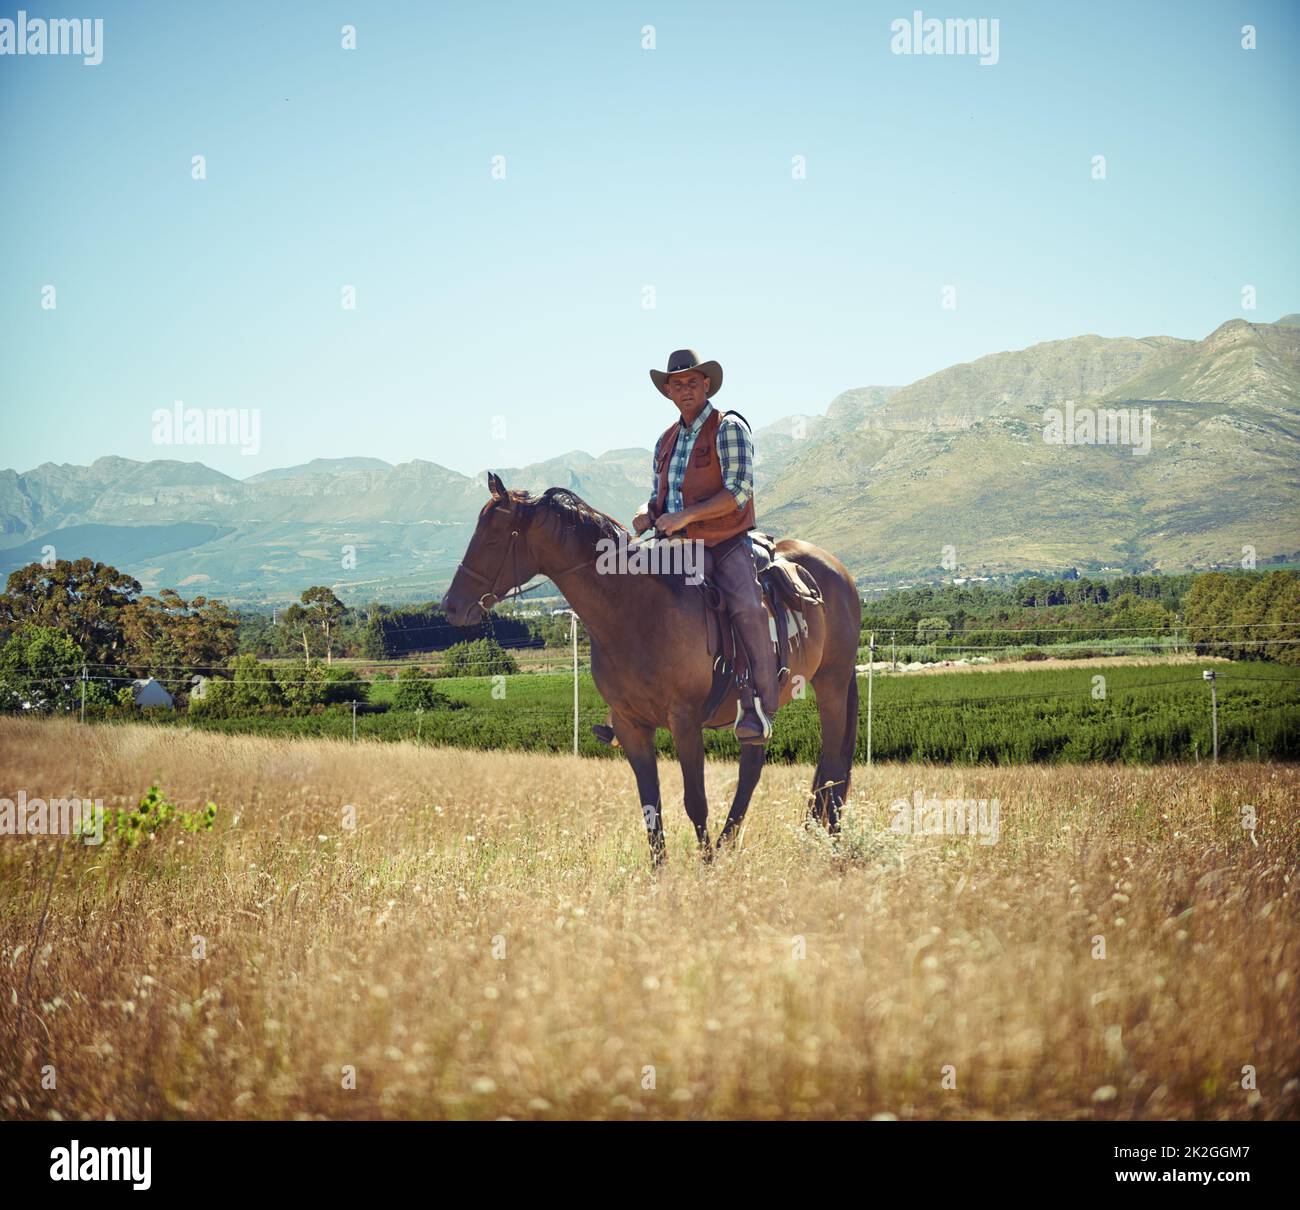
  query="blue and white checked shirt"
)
[{"x": 735, "y": 458}]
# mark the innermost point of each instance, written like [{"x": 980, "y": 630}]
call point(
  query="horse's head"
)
[{"x": 497, "y": 559}]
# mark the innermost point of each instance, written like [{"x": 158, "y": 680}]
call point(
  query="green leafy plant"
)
[{"x": 153, "y": 814}]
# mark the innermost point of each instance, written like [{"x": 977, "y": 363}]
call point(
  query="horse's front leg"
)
[
  {"x": 751, "y": 768},
  {"x": 688, "y": 735},
  {"x": 638, "y": 743}
]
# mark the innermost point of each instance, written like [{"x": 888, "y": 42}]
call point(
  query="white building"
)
[{"x": 149, "y": 692}]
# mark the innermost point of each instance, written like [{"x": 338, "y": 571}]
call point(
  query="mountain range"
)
[{"x": 947, "y": 476}]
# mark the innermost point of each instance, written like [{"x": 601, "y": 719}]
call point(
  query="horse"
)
[{"x": 649, "y": 650}]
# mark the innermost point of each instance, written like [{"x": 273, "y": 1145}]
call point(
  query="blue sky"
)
[{"x": 522, "y": 298}]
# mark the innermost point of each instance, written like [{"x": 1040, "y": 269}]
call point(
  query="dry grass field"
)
[{"x": 489, "y": 941}]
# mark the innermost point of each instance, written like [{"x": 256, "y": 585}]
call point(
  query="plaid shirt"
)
[{"x": 735, "y": 457}]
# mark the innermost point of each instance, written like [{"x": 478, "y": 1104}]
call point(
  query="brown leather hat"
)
[{"x": 688, "y": 359}]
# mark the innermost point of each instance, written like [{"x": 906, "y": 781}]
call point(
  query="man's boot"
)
[
  {"x": 605, "y": 731},
  {"x": 754, "y": 723}
]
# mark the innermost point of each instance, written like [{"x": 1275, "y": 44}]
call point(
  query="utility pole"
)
[
  {"x": 1208, "y": 674},
  {"x": 871, "y": 665},
  {"x": 573, "y": 635},
  {"x": 573, "y": 629},
  {"x": 893, "y": 651}
]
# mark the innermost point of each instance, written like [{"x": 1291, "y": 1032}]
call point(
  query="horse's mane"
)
[{"x": 571, "y": 509}]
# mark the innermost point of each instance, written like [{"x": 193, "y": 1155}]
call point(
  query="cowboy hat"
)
[{"x": 688, "y": 359}]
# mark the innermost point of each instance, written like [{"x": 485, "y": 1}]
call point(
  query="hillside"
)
[
  {"x": 960, "y": 459},
  {"x": 886, "y": 479}
]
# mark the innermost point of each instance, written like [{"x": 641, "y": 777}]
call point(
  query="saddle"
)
[{"x": 789, "y": 591}]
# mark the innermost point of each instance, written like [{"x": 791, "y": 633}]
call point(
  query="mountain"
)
[
  {"x": 886, "y": 479},
  {"x": 370, "y": 529},
  {"x": 777, "y": 444},
  {"x": 321, "y": 466},
  {"x": 959, "y": 459},
  {"x": 1238, "y": 363}
]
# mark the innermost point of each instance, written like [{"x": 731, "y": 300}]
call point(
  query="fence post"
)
[
  {"x": 83, "y": 693},
  {"x": 871, "y": 667},
  {"x": 1208, "y": 674},
  {"x": 354, "y": 720}
]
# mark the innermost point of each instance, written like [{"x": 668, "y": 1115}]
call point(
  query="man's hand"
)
[
  {"x": 670, "y": 523},
  {"x": 642, "y": 521}
]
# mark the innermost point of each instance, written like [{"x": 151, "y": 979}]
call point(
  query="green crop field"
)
[{"x": 1148, "y": 714}]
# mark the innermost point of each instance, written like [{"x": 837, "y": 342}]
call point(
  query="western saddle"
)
[{"x": 789, "y": 590}]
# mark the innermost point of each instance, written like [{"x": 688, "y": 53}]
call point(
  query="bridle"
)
[{"x": 492, "y": 597}]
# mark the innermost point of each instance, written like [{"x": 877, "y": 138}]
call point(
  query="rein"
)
[{"x": 510, "y": 556}]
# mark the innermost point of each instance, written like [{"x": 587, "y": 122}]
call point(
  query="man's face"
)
[{"x": 688, "y": 390}]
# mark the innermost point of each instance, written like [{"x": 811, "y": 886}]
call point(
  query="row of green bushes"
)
[
  {"x": 1144, "y": 715},
  {"x": 255, "y": 689}
]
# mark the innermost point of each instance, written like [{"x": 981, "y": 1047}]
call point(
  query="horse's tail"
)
[{"x": 850, "y": 746}]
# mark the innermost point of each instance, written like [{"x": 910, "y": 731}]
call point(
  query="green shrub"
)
[
  {"x": 417, "y": 690},
  {"x": 343, "y": 685},
  {"x": 482, "y": 657}
]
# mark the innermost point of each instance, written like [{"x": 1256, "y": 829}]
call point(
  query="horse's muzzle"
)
[{"x": 468, "y": 614}]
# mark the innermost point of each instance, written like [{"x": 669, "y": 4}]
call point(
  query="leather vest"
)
[{"x": 702, "y": 480}]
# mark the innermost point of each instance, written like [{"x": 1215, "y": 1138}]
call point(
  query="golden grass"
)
[{"x": 490, "y": 941}]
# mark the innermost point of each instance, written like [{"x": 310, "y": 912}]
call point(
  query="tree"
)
[
  {"x": 1281, "y": 614},
  {"x": 40, "y": 669},
  {"x": 1250, "y": 616},
  {"x": 170, "y": 638},
  {"x": 252, "y": 689},
  {"x": 303, "y": 686},
  {"x": 324, "y": 611},
  {"x": 299, "y": 621},
  {"x": 84, "y": 599},
  {"x": 931, "y": 630},
  {"x": 1208, "y": 608},
  {"x": 1141, "y": 617},
  {"x": 341, "y": 685}
]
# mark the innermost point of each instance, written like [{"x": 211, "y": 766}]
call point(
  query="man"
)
[{"x": 703, "y": 487}]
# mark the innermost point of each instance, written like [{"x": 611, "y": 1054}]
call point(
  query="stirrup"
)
[{"x": 762, "y": 718}]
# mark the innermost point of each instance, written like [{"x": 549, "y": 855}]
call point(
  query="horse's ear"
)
[{"x": 496, "y": 487}]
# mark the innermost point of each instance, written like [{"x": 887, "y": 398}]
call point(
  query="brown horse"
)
[{"x": 649, "y": 653}]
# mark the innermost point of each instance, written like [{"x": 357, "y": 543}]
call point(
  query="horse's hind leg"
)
[
  {"x": 751, "y": 768},
  {"x": 835, "y": 694}
]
